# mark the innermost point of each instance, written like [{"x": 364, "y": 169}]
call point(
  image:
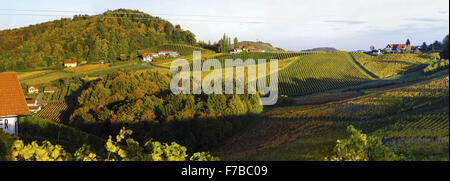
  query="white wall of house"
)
[
  {"x": 9, "y": 124},
  {"x": 147, "y": 59},
  {"x": 70, "y": 65}
]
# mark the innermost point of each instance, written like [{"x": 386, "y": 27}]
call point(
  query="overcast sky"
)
[{"x": 288, "y": 24}]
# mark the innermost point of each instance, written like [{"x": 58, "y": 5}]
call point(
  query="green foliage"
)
[
  {"x": 445, "y": 48},
  {"x": 359, "y": 147},
  {"x": 6, "y": 141},
  {"x": 117, "y": 151},
  {"x": 91, "y": 38},
  {"x": 142, "y": 102},
  {"x": 34, "y": 128},
  {"x": 203, "y": 156},
  {"x": 85, "y": 154}
]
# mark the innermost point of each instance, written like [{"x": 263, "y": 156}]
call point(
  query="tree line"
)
[{"x": 142, "y": 101}]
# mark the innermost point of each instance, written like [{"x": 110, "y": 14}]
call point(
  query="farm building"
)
[
  {"x": 236, "y": 51},
  {"x": 32, "y": 104},
  {"x": 147, "y": 57},
  {"x": 70, "y": 63},
  {"x": 50, "y": 89},
  {"x": 168, "y": 52},
  {"x": 33, "y": 89},
  {"x": 12, "y": 103},
  {"x": 395, "y": 47}
]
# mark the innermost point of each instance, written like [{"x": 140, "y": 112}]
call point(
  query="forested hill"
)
[{"x": 93, "y": 38}]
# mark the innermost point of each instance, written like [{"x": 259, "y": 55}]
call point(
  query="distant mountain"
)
[
  {"x": 324, "y": 49},
  {"x": 105, "y": 36},
  {"x": 261, "y": 45}
]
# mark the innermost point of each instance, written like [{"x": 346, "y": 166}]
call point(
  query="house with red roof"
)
[
  {"x": 147, "y": 57},
  {"x": 395, "y": 47},
  {"x": 70, "y": 63},
  {"x": 33, "y": 89},
  {"x": 12, "y": 103}
]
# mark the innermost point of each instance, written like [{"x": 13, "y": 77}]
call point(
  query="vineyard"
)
[
  {"x": 261, "y": 55},
  {"x": 315, "y": 73},
  {"x": 182, "y": 49},
  {"x": 85, "y": 68},
  {"x": 389, "y": 64},
  {"x": 271, "y": 133},
  {"x": 60, "y": 94},
  {"x": 375, "y": 104},
  {"x": 417, "y": 126},
  {"x": 436, "y": 66},
  {"x": 412, "y": 119},
  {"x": 54, "y": 111}
]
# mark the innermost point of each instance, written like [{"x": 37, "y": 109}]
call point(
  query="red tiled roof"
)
[
  {"x": 30, "y": 100},
  {"x": 69, "y": 61},
  {"x": 147, "y": 54},
  {"x": 35, "y": 86},
  {"x": 397, "y": 45},
  {"x": 12, "y": 100},
  {"x": 50, "y": 89}
]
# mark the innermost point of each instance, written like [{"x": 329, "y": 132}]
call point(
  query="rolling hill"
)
[{"x": 92, "y": 38}]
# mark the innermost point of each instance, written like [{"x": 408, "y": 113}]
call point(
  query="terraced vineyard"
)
[
  {"x": 315, "y": 73},
  {"x": 60, "y": 94},
  {"x": 53, "y": 111},
  {"x": 388, "y": 64}
]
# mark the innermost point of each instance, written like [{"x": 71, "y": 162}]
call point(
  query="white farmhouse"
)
[
  {"x": 12, "y": 103},
  {"x": 147, "y": 57}
]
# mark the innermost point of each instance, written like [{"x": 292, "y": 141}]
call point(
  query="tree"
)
[
  {"x": 424, "y": 46},
  {"x": 445, "y": 48},
  {"x": 408, "y": 49},
  {"x": 236, "y": 42},
  {"x": 358, "y": 147},
  {"x": 224, "y": 44},
  {"x": 408, "y": 42}
]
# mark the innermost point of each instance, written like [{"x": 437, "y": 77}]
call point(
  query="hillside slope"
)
[
  {"x": 92, "y": 38},
  {"x": 412, "y": 119},
  {"x": 261, "y": 45}
]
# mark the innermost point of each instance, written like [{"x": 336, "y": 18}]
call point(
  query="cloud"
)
[
  {"x": 349, "y": 22},
  {"x": 427, "y": 19},
  {"x": 444, "y": 12}
]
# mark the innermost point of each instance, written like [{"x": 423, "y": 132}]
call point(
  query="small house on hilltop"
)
[
  {"x": 395, "y": 47},
  {"x": 147, "y": 57},
  {"x": 70, "y": 63},
  {"x": 12, "y": 103},
  {"x": 50, "y": 89},
  {"x": 33, "y": 89}
]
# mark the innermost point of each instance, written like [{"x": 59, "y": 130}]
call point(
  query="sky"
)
[{"x": 288, "y": 24}]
